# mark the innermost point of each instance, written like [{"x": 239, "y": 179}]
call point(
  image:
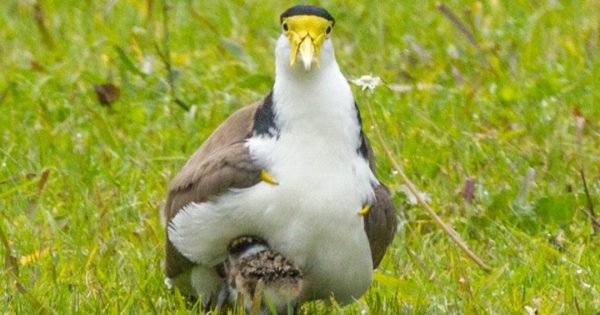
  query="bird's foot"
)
[
  {"x": 364, "y": 211},
  {"x": 266, "y": 177}
]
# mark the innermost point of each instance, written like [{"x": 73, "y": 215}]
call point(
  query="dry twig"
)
[
  {"x": 40, "y": 21},
  {"x": 595, "y": 222}
]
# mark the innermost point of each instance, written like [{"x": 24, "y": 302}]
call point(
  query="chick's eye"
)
[
  {"x": 285, "y": 26},
  {"x": 328, "y": 30}
]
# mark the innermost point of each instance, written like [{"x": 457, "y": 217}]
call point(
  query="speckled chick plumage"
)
[{"x": 250, "y": 262}]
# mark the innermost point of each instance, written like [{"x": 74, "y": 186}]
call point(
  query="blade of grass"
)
[
  {"x": 12, "y": 267},
  {"x": 165, "y": 56}
]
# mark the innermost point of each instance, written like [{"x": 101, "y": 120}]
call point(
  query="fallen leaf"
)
[
  {"x": 107, "y": 93},
  {"x": 43, "y": 180},
  {"x": 36, "y": 66},
  {"x": 469, "y": 190},
  {"x": 579, "y": 123}
]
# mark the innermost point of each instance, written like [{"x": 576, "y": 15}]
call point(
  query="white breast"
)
[{"x": 312, "y": 215}]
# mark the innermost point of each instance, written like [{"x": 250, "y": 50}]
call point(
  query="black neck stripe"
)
[
  {"x": 307, "y": 10},
  {"x": 264, "y": 119},
  {"x": 241, "y": 244}
]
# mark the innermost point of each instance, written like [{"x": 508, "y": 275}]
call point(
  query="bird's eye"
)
[
  {"x": 328, "y": 30},
  {"x": 285, "y": 26}
]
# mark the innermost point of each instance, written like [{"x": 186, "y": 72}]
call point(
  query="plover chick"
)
[{"x": 258, "y": 274}]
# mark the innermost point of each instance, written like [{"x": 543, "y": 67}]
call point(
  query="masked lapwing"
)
[{"x": 294, "y": 169}]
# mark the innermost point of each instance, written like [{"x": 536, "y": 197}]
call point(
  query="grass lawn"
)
[{"x": 492, "y": 108}]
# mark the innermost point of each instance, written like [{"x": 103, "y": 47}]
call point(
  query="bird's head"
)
[
  {"x": 305, "y": 32},
  {"x": 244, "y": 246}
]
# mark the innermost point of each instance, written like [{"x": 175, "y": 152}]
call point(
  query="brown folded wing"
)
[
  {"x": 221, "y": 163},
  {"x": 381, "y": 221}
]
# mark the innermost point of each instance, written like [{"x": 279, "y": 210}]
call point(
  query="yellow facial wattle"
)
[{"x": 306, "y": 34}]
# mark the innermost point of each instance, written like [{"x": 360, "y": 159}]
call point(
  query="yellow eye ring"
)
[{"x": 285, "y": 26}]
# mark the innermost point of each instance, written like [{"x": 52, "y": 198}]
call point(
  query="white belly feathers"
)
[{"x": 313, "y": 211}]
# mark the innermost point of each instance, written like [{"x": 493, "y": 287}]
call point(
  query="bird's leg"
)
[
  {"x": 364, "y": 211},
  {"x": 293, "y": 309},
  {"x": 266, "y": 177},
  {"x": 206, "y": 303},
  {"x": 222, "y": 298}
]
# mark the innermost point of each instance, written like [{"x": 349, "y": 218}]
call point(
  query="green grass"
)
[{"x": 89, "y": 239}]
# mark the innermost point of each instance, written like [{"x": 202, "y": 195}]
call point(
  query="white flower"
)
[
  {"x": 368, "y": 82},
  {"x": 169, "y": 283},
  {"x": 530, "y": 310},
  {"x": 147, "y": 64}
]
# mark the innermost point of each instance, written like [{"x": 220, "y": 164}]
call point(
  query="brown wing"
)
[
  {"x": 381, "y": 221},
  {"x": 221, "y": 163}
]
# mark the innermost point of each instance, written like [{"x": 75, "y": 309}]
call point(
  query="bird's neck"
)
[{"x": 319, "y": 99}]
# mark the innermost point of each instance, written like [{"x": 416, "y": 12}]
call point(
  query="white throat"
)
[{"x": 317, "y": 102}]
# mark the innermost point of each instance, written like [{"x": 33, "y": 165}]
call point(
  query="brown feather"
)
[
  {"x": 221, "y": 162},
  {"x": 381, "y": 221}
]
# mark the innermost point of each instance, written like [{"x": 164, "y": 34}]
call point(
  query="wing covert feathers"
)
[
  {"x": 381, "y": 221},
  {"x": 380, "y": 224},
  {"x": 222, "y": 162}
]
